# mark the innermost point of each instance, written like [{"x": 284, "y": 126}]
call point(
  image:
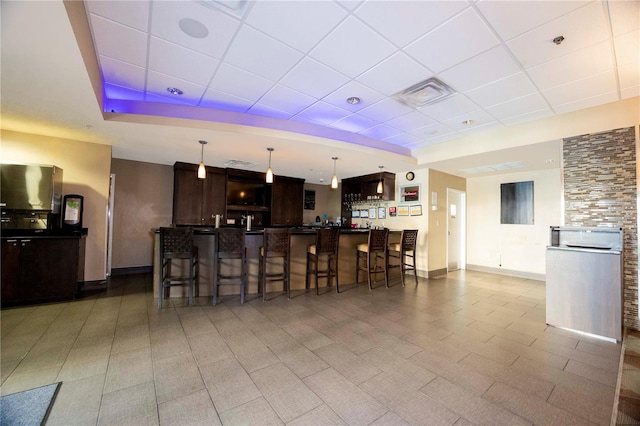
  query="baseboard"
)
[
  {"x": 508, "y": 272},
  {"x": 437, "y": 273},
  {"x": 132, "y": 270}
]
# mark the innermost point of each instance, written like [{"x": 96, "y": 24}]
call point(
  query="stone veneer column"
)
[{"x": 600, "y": 189}]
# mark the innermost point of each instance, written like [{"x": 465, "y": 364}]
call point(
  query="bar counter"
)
[{"x": 301, "y": 238}]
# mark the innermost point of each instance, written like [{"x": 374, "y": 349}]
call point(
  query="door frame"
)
[{"x": 461, "y": 212}]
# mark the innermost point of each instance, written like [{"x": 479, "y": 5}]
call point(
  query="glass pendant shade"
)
[
  {"x": 334, "y": 179},
  {"x": 269, "y": 175},
  {"x": 202, "y": 172},
  {"x": 379, "y": 188}
]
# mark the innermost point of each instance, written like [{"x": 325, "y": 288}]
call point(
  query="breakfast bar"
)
[{"x": 301, "y": 238}]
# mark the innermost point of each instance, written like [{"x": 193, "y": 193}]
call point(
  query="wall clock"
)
[{"x": 410, "y": 175}]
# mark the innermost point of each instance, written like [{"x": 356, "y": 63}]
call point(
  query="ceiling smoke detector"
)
[
  {"x": 239, "y": 164},
  {"x": 426, "y": 92}
]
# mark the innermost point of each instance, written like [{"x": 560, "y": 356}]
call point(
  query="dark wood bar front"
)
[{"x": 301, "y": 238}]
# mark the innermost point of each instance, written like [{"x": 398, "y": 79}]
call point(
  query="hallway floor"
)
[{"x": 470, "y": 348}]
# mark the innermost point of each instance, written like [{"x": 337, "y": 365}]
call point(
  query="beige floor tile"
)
[
  {"x": 78, "y": 402},
  {"x": 251, "y": 352},
  {"x": 208, "y": 348},
  {"x": 322, "y": 415},
  {"x": 176, "y": 376},
  {"x": 228, "y": 384},
  {"x": 470, "y": 406},
  {"x": 498, "y": 355},
  {"x": 594, "y": 410},
  {"x": 503, "y": 332},
  {"x": 193, "y": 409},
  {"x": 548, "y": 358},
  {"x": 392, "y": 343},
  {"x": 606, "y": 377},
  {"x": 45, "y": 355},
  {"x": 285, "y": 392},
  {"x": 307, "y": 336},
  {"x": 7, "y": 366},
  {"x": 196, "y": 324},
  {"x": 85, "y": 361},
  {"x": 390, "y": 419},
  {"x": 300, "y": 360},
  {"x": 533, "y": 409},
  {"x": 601, "y": 348},
  {"x": 347, "y": 338},
  {"x": 350, "y": 402},
  {"x": 130, "y": 406},
  {"x": 127, "y": 369},
  {"x": 257, "y": 412},
  {"x": 269, "y": 333},
  {"x": 232, "y": 328},
  {"x": 131, "y": 338},
  {"x": 347, "y": 363},
  {"x": 406, "y": 371},
  {"x": 31, "y": 379},
  {"x": 167, "y": 342},
  {"x": 412, "y": 406}
]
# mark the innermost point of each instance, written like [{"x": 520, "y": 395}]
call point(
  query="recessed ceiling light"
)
[
  {"x": 431, "y": 132},
  {"x": 174, "y": 90},
  {"x": 558, "y": 40},
  {"x": 353, "y": 100},
  {"x": 467, "y": 122},
  {"x": 193, "y": 28}
]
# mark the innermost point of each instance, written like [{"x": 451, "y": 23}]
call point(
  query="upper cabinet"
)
[
  {"x": 287, "y": 202},
  {"x": 363, "y": 188},
  {"x": 197, "y": 201}
]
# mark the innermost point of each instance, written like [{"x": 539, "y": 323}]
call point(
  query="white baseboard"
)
[{"x": 508, "y": 272}]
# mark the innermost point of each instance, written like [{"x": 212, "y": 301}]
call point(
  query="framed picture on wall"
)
[
  {"x": 410, "y": 193},
  {"x": 364, "y": 214},
  {"x": 382, "y": 212},
  {"x": 416, "y": 210},
  {"x": 355, "y": 213},
  {"x": 403, "y": 210},
  {"x": 372, "y": 213},
  {"x": 393, "y": 211}
]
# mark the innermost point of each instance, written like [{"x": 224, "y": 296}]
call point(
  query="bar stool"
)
[
  {"x": 406, "y": 248},
  {"x": 370, "y": 253},
  {"x": 276, "y": 244},
  {"x": 230, "y": 244},
  {"x": 326, "y": 246},
  {"x": 177, "y": 244}
]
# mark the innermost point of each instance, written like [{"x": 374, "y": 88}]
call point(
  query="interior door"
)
[{"x": 456, "y": 238}]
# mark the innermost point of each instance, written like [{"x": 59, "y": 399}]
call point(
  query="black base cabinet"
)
[{"x": 38, "y": 270}]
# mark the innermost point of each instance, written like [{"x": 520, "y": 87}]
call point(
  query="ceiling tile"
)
[
  {"x": 237, "y": 82},
  {"x": 299, "y": 24},
  {"x": 264, "y": 110},
  {"x": 432, "y": 130},
  {"x": 401, "y": 22},
  {"x": 480, "y": 70},
  {"x": 394, "y": 74},
  {"x": 354, "y": 123},
  {"x": 481, "y": 127},
  {"x": 574, "y": 66},
  {"x": 410, "y": 121},
  {"x": 627, "y": 48},
  {"x": 286, "y": 99},
  {"x": 581, "y": 89},
  {"x": 313, "y": 78},
  {"x": 324, "y": 113},
  {"x": 404, "y": 139},
  {"x": 532, "y": 116},
  {"x": 629, "y": 75},
  {"x": 119, "y": 42},
  {"x": 450, "y": 107},
  {"x": 630, "y": 92},
  {"x": 514, "y": 86},
  {"x": 215, "y": 99},
  {"x": 447, "y": 45},
  {"x": 262, "y": 55},
  {"x": 512, "y": 18},
  {"x": 339, "y": 98},
  {"x": 171, "y": 59},
  {"x": 386, "y": 109},
  {"x": 352, "y": 48},
  {"x": 478, "y": 117},
  {"x": 133, "y": 14},
  {"x": 381, "y": 131},
  {"x": 157, "y": 85},
  {"x": 122, "y": 73},
  {"x": 586, "y": 103},
  {"x": 118, "y": 92},
  {"x": 581, "y": 28},
  {"x": 625, "y": 16},
  {"x": 165, "y": 23},
  {"x": 518, "y": 107}
]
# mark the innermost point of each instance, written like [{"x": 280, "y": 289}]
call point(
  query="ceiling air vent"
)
[
  {"x": 426, "y": 92},
  {"x": 239, "y": 164}
]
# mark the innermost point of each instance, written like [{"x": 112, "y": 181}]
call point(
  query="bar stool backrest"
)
[
  {"x": 277, "y": 241},
  {"x": 378, "y": 239},
  {"x": 231, "y": 240},
  {"x": 409, "y": 239},
  {"x": 327, "y": 240},
  {"x": 176, "y": 242}
]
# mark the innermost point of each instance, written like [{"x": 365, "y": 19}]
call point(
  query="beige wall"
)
[
  {"x": 85, "y": 171},
  {"x": 327, "y": 202},
  {"x": 507, "y": 248},
  {"x": 439, "y": 182},
  {"x": 143, "y": 200}
]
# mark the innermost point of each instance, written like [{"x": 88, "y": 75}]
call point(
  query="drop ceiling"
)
[{"x": 292, "y": 65}]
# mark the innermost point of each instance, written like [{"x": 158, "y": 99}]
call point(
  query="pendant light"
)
[
  {"x": 269, "y": 177},
  {"x": 202, "y": 172},
  {"x": 334, "y": 179},
  {"x": 379, "y": 188}
]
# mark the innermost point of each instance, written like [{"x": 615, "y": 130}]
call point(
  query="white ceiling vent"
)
[
  {"x": 239, "y": 164},
  {"x": 426, "y": 92},
  {"x": 236, "y": 8}
]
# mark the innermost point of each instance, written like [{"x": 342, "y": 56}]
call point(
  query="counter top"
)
[
  {"x": 43, "y": 233},
  {"x": 197, "y": 230}
]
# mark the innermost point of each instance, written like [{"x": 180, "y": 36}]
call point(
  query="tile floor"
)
[
  {"x": 471, "y": 348},
  {"x": 628, "y": 412}
]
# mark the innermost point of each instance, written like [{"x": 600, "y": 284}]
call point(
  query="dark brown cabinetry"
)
[
  {"x": 363, "y": 188},
  {"x": 287, "y": 201},
  {"x": 197, "y": 201},
  {"x": 40, "y": 269}
]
